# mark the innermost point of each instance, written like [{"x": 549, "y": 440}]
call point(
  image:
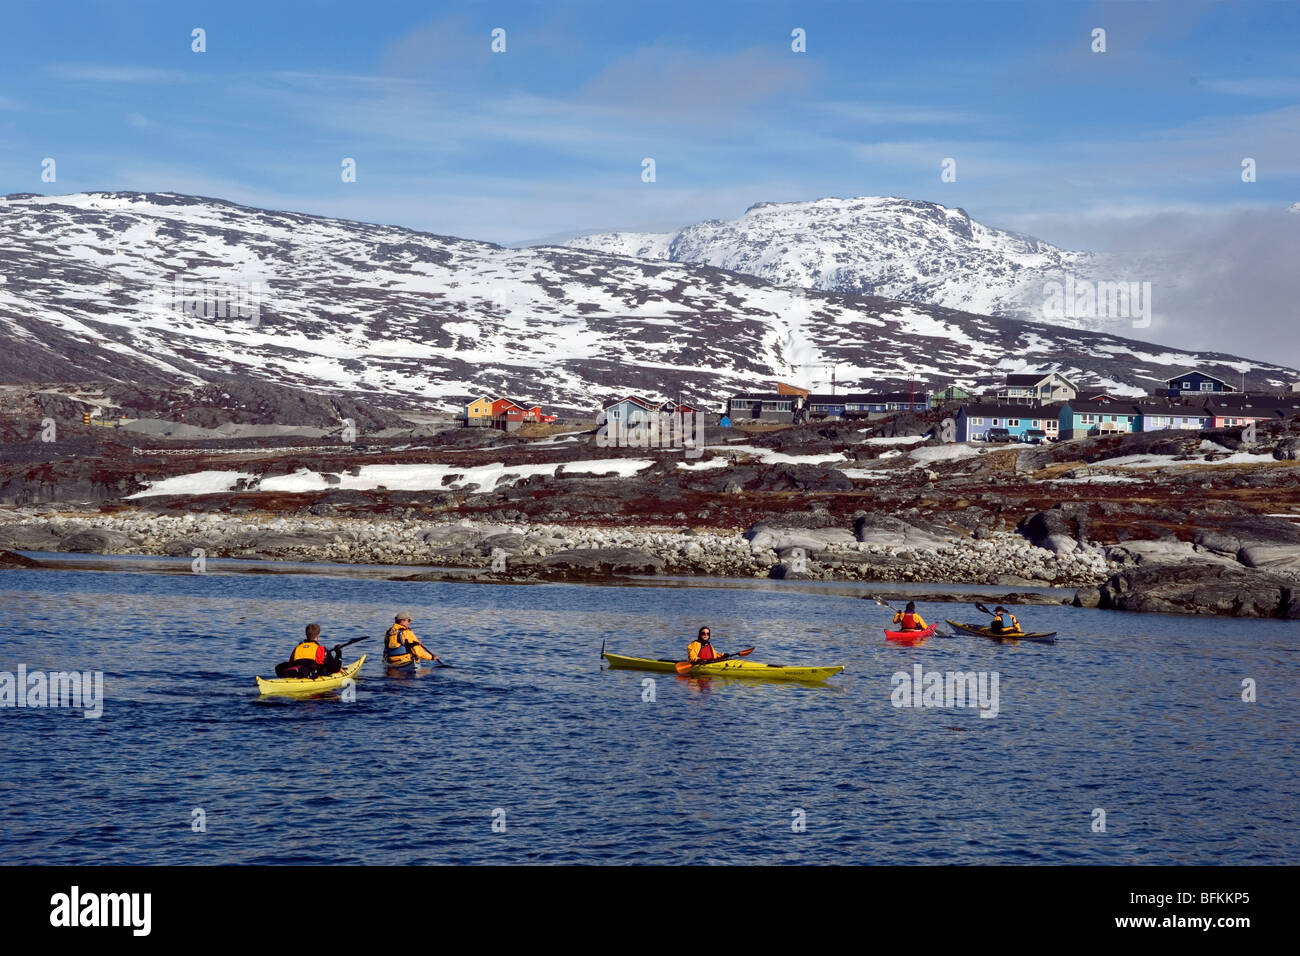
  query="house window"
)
[
  {"x": 1187, "y": 385},
  {"x": 615, "y": 414},
  {"x": 1013, "y": 423},
  {"x": 993, "y": 421},
  {"x": 1207, "y": 386},
  {"x": 1087, "y": 419},
  {"x": 977, "y": 421},
  {"x": 1034, "y": 423}
]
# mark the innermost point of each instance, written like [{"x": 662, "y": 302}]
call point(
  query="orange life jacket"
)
[{"x": 308, "y": 650}]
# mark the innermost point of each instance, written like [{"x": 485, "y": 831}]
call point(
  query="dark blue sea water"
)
[{"x": 1139, "y": 716}]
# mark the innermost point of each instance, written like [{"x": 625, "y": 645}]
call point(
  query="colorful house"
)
[
  {"x": 1161, "y": 416},
  {"x": 1079, "y": 419},
  {"x": 1195, "y": 382},
  {"x": 876, "y": 404},
  {"x": 681, "y": 408},
  {"x": 629, "y": 412},
  {"x": 1225, "y": 411},
  {"x": 478, "y": 413},
  {"x": 826, "y": 406},
  {"x": 504, "y": 413},
  {"x": 1035, "y": 388},
  {"x": 975, "y": 419},
  {"x": 516, "y": 415}
]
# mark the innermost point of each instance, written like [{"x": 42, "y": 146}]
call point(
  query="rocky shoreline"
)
[
  {"x": 1169, "y": 577},
  {"x": 877, "y": 550}
]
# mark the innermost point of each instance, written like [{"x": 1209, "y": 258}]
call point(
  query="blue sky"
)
[{"x": 547, "y": 139}]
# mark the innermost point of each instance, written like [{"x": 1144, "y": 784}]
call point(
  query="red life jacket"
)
[
  {"x": 706, "y": 652},
  {"x": 910, "y": 622}
]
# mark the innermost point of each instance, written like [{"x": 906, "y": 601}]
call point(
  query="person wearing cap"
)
[
  {"x": 1005, "y": 622},
  {"x": 909, "y": 619},
  {"x": 701, "y": 650},
  {"x": 401, "y": 646}
]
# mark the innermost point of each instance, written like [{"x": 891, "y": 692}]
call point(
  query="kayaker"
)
[
  {"x": 310, "y": 658},
  {"x": 909, "y": 619},
  {"x": 1005, "y": 622},
  {"x": 701, "y": 650},
  {"x": 401, "y": 646}
]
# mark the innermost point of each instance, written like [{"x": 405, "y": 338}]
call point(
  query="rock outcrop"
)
[{"x": 1201, "y": 588}]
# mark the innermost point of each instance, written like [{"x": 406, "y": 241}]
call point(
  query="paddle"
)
[
  {"x": 684, "y": 666},
  {"x": 437, "y": 661},
  {"x": 884, "y": 604},
  {"x": 338, "y": 647}
]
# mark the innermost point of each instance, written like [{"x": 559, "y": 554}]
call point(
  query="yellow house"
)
[{"x": 479, "y": 412}]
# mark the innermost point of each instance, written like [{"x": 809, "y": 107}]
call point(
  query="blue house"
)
[
  {"x": 823, "y": 406},
  {"x": 1078, "y": 419},
  {"x": 975, "y": 420},
  {"x": 630, "y": 412},
  {"x": 1161, "y": 416},
  {"x": 1194, "y": 382}
]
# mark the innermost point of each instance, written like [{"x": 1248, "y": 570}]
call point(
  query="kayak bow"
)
[{"x": 730, "y": 667}]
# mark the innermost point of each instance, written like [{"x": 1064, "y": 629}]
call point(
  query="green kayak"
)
[{"x": 1048, "y": 637}]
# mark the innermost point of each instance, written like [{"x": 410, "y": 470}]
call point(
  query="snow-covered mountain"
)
[
  {"x": 896, "y": 248},
  {"x": 91, "y": 292}
]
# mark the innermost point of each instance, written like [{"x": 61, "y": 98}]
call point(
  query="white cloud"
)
[{"x": 107, "y": 73}]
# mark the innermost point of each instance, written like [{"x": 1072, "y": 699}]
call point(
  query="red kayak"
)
[{"x": 909, "y": 637}]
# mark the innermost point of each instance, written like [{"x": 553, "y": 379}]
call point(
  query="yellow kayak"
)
[
  {"x": 310, "y": 685},
  {"x": 732, "y": 667}
]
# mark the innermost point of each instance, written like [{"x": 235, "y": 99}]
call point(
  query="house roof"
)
[
  {"x": 1186, "y": 409},
  {"x": 1245, "y": 398},
  {"x": 635, "y": 400},
  {"x": 1034, "y": 378},
  {"x": 1197, "y": 371},
  {"x": 856, "y": 398},
  {"x": 766, "y": 397},
  {"x": 1110, "y": 408},
  {"x": 920, "y": 395},
  {"x": 992, "y": 409}
]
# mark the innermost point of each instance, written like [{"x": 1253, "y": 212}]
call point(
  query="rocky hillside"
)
[{"x": 176, "y": 290}]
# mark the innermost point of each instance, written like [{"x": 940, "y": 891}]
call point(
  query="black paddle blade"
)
[{"x": 339, "y": 647}]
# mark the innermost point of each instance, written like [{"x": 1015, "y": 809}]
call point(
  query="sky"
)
[{"x": 1134, "y": 148}]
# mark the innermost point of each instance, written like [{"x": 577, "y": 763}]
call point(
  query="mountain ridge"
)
[{"x": 411, "y": 318}]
